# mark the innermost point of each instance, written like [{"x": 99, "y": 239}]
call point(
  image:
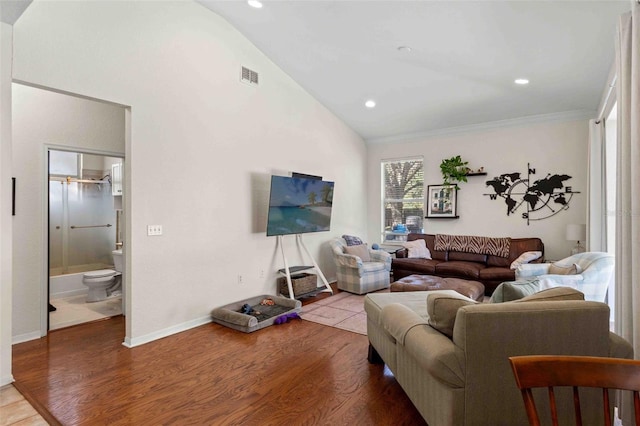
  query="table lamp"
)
[{"x": 577, "y": 233}]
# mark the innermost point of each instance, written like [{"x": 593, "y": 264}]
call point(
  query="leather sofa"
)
[
  {"x": 489, "y": 269},
  {"x": 463, "y": 376}
]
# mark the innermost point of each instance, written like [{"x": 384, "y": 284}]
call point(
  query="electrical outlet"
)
[
  {"x": 239, "y": 279},
  {"x": 261, "y": 273},
  {"x": 154, "y": 230}
]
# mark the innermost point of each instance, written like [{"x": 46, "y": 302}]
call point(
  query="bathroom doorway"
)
[
  {"x": 45, "y": 119},
  {"x": 85, "y": 236}
]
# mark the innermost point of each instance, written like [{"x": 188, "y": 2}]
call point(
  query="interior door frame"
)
[{"x": 44, "y": 317}]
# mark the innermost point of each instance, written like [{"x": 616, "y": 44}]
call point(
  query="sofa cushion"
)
[
  {"x": 417, "y": 249},
  {"x": 373, "y": 266},
  {"x": 497, "y": 274},
  {"x": 460, "y": 269},
  {"x": 467, "y": 257},
  {"x": 374, "y": 302},
  {"x": 562, "y": 269},
  {"x": 514, "y": 290},
  {"x": 360, "y": 250},
  {"x": 398, "y": 319},
  {"x": 442, "y": 307},
  {"x": 417, "y": 266},
  {"x": 553, "y": 294}
]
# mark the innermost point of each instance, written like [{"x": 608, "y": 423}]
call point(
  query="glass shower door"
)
[
  {"x": 82, "y": 231},
  {"x": 91, "y": 229}
]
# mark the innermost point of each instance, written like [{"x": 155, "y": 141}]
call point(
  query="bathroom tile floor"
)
[
  {"x": 75, "y": 310},
  {"x": 15, "y": 410}
]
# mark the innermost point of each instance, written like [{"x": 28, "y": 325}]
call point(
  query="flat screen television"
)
[{"x": 299, "y": 205}]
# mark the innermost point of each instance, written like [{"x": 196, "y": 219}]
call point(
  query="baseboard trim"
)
[
  {"x": 6, "y": 380},
  {"x": 147, "y": 338},
  {"x": 21, "y": 338}
]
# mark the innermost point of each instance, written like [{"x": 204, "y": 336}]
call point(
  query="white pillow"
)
[
  {"x": 417, "y": 249},
  {"x": 525, "y": 257}
]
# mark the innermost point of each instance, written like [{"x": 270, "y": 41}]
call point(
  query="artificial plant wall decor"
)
[
  {"x": 542, "y": 199},
  {"x": 454, "y": 170}
]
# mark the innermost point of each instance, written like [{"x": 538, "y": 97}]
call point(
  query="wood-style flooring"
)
[{"x": 298, "y": 373}]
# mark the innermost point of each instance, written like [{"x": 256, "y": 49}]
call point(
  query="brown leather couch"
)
[{"x": 488, "y": 269}]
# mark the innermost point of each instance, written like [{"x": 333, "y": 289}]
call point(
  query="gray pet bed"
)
[{"x": 231, "y": 316}]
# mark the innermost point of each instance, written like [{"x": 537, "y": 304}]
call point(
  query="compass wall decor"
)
[{"x": 542, "y": 199}]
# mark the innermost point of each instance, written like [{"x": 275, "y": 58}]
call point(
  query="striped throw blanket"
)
[{"x": 470, "y": 244}]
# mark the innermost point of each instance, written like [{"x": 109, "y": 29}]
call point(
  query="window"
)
[{"x": 402, "y": 199}]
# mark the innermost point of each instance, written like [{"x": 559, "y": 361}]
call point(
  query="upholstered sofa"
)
[
  {"x": 459, "y": 372},
  {"x": 483, "y": 259}
]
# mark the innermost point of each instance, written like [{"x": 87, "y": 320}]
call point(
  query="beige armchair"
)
[{"x": 358, "y": 276}]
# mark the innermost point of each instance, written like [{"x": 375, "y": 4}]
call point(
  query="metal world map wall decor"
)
[{"x": 542, "y": 199}]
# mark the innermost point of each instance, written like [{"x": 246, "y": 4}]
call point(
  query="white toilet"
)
[{"x": 104, "y": 282}]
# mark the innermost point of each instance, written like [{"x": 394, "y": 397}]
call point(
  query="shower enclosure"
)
[{"x": 82, "y": 225}]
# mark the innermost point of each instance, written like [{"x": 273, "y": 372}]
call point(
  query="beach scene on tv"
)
[{"x": 299, "y": 205}]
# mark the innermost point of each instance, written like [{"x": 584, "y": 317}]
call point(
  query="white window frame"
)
[{"x": 399, "y": 239}]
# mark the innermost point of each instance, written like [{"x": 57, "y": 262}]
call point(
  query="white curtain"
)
[
  {"x": 597, "y": 193},
  {"x": 627, "y": 269}
]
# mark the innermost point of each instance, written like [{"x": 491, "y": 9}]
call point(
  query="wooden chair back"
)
[{"x": 548, "y": 371}]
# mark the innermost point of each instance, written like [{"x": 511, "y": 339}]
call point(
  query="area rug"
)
[{"x": 342, "y": 310}]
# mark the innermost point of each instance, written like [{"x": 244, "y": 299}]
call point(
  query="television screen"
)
[{"x": 299, "y": 205}]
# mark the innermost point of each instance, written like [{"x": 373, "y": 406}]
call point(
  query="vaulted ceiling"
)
[
  {"x": 437, "y": 66},
  {"x": 432, "y": 66}
]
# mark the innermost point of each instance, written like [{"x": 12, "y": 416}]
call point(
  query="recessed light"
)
[
  {"x": 370, "y": 103},
  {"x": 255, "y": 3},
  {"x": 521, "y": 81},
  {"x": 405, "y": 49}
]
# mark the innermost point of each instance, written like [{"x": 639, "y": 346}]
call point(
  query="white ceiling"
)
[
  {"x": 11, "y": 10},
  {"x": 459, "y": 74}
]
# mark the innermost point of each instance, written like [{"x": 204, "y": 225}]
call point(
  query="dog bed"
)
[{"x": 231, "y": 315}]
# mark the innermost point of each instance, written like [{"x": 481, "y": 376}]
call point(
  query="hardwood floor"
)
[{"x": 298, "y": 373}]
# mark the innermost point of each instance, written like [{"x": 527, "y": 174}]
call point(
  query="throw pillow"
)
[
  {"x": 553, "y": 294},
  {"x": 442, "y": 308},
  {"x": 514, "y": 290},
  {"x": 352, "y": 241},
  {"x": 560, "y": 269},
  {"x": 362, "y": 251},
  {"x": 417, "y": 249},
  {"x": 525, "y": 257}
]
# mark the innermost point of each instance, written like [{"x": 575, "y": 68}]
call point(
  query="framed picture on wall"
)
[{"x": 442, "y": 201}]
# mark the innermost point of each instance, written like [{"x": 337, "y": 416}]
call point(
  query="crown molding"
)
[{"x": 522, "y": 121}]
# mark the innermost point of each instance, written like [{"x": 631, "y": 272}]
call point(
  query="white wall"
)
[
  {"x": 203, "y": 146},
  {"x": 555, "y": 148},
  {"x": 43, "y": 118},
  {"x": 6, "y": 33}
]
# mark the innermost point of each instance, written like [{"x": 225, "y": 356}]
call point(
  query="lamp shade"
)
[{"x": 576, "y": 232}]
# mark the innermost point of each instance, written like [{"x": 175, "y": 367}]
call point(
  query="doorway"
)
[
  {"x": 43, "y": 120},
  {"x": 85, "y": 238}
]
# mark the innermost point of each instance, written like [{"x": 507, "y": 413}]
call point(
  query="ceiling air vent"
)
[{"x": 248, "y": 76}]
